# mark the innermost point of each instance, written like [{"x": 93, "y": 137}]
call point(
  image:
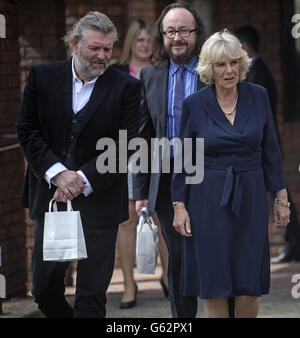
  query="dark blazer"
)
[
  {"x": 260, "y": 74},
  {"x": 123, "y": 68},
  {"x": 153, "y": 121},
  {"x": 44, "y": 131}
]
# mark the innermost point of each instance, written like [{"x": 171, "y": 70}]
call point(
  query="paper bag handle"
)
[
  {"x": 53, "y": 201},
  {"x": 145, "y": 215}
]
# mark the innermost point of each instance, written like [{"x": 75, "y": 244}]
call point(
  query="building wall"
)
[
  {"x": 12, "y": 224},
  {"x": 42, "y": 25}
]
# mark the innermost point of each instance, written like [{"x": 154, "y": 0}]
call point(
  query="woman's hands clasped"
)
[{"x": 181, "y": 221}]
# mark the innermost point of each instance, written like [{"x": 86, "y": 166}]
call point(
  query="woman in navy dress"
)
[{"x": 224, "y": 219}]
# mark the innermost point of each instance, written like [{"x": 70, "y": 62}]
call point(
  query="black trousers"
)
[
  {"x": 181, "y": 307},
  {"x": 93, "y": 274}
]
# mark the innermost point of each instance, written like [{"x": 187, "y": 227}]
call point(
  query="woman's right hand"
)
[{"x": 181, "y": 221}]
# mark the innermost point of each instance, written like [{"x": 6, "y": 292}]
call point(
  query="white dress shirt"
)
[{"x": 81, "y": 94}]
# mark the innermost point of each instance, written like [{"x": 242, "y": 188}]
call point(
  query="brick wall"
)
[
  {"x": 9, "y": 68},
  {"x": 145, "y": 9},
  {"x": 12, "y": 225},
  {"x": 41, "y": 27},
  {"x": 264, "y": 15},
  {"x": 116, "y": 10}
]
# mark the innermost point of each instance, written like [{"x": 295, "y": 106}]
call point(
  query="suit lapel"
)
[
  {"x": 213, "y": 109},
  {"x": 101, "y": 88},
  {"x": 66, "y": 88},
  {"x": 244, "y": 106},
  {"x": 100, "y": 91},
  {"x": 162, "y": 95}
]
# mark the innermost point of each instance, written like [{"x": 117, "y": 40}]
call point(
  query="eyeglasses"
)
[{"x": 184, "y": 33}]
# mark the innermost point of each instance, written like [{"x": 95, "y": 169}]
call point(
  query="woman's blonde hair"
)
[
  {"x": 221, "y": 44},
  {"x": 131, "y": 36}
]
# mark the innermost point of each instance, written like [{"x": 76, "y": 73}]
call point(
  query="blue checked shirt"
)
[{"x": 190, "y": 87}]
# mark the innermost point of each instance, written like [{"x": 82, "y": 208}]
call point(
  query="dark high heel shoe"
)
[
  {"x": 130, "y": 304},
  {"x": 165, "y": 288}
]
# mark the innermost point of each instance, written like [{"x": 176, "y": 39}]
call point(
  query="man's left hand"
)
[{"x": 60, "y": 196}]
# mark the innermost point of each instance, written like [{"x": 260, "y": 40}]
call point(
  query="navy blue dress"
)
[{"x": 228, "y": 253}]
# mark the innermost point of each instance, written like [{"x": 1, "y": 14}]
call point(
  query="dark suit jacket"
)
[
  {"x": 260, "y": 74},
  {"x": 123, "y": 68},
  {"x": 153, "y": 121},
  {"x": 44, "y": 125}
]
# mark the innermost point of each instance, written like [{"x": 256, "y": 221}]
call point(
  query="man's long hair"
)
[{"x": 159, "y": 52}]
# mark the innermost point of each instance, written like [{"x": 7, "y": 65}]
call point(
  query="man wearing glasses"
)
[{"x": 178, "y": 37}]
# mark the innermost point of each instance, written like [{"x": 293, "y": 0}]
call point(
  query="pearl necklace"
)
[{"x": 233, "y": 107}]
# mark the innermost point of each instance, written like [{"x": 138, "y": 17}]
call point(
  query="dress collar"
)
[{"x": 244, "y": 108}]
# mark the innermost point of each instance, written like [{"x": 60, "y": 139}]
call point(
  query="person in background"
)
[
  {"x": 224, "y": 219},
  {"x": 259, "y": 73},
  {"x": 135, "y": 56}
]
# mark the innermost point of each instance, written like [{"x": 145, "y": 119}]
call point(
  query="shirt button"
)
[{"x": 74, "y": 120}]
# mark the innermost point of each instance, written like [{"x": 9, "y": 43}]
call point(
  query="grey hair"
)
[{"x": 96, "y": 21}]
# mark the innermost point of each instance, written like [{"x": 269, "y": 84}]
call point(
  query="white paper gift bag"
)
[
  {"x": 63, "y": 235},
  {"x": 146, "y": 244}
]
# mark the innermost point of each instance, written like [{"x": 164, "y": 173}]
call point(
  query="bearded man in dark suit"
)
[
  {"x": 66, "y": 108},
  {"x": 178, "y": 36}
]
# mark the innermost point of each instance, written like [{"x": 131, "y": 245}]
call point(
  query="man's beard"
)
[
  {"x": 184, "y": 57},
  {"x": 86, "y": 67}
]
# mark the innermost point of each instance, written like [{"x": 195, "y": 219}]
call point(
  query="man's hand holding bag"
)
[{"x": 146, "y": 244}]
